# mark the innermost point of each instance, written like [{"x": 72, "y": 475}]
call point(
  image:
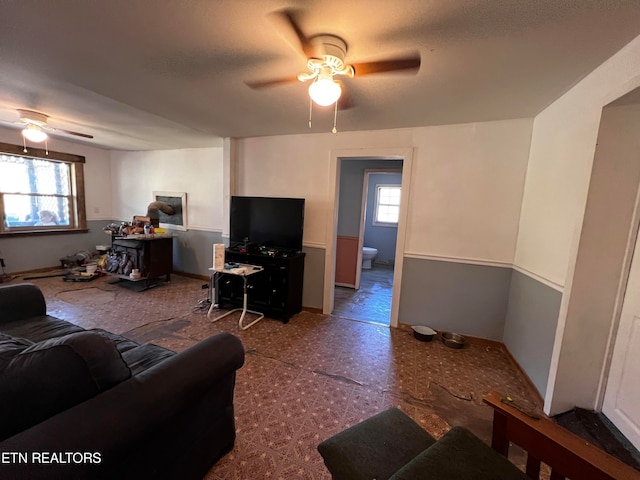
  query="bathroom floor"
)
[{"x": 372, "y": 302}]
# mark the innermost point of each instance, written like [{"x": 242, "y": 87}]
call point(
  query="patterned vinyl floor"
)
[{"x": 306, "y": 380}]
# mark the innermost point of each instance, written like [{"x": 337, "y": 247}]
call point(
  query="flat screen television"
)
[{"x": 269, "y": 222}]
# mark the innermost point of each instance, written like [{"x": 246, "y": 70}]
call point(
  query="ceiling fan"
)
[
  {"x": 36, "y": 128},
  {"x": 326, "y": 59}
]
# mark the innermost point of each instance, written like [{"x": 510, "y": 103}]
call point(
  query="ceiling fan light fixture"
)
[
  {"x": 34, "y": 133},
  {"x": 324, "y": 91}
]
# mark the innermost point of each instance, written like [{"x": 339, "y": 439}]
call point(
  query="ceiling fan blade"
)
[
  {"x": 286, "y": 24},
  {"x": 70, "y": 132},
  {"x": 12, "y": 122},
  {"x": 398, "y": 64},
  {"x": 274, "y": 82},
  {"x": 30, "y": 118}
]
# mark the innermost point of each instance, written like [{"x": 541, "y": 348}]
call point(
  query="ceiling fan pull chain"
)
[
  {"x": 24, "y": 144},
  {"x": 335, "y": 118},
  {"x": 46, "y": 147},
  {"x": 310, "y": 110}
]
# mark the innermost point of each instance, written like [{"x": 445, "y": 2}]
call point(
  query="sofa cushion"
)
[
  {"x": 10, "y": 347},
  {"x": 123, "y": 344},
  {"x": 137, "y": 357},
  {"x": 54, "y": 375},
  {"x": 459, "y": 455},
  {"x": 145, "y": 356},
  {"x": 374, "y": 448},
  {"x": 40, "y": 328}
]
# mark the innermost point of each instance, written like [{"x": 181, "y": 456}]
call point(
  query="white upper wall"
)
[
  {"x": 97, "y": 171},
  {"x": 562, "y": 151},
  {"x": 466, "y": 192},
  {"x": 196, "y": 171},
  {"x": 465, "y": 197},
  {"x": 467, "y": 188},
  {"x": 551, "y": 224}
]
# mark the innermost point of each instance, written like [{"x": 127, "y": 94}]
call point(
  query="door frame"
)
[
  {"x": 630, "y": 252},
  {"x": 389, "y": 153},
  {"x": 598, "y": 268},
  {"x": 604, "y": 398}
]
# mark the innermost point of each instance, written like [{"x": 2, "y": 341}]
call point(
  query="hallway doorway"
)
[
  {"x": 368, "y": 216},
  {"x": 403, "y": 154}
]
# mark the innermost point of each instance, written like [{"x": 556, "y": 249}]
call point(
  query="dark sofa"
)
[{"x": 78, "y": 403}]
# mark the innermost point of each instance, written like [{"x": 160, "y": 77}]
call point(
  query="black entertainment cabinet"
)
[{"x": 276, "y": 291}]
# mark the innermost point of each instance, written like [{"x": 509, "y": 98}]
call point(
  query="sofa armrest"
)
[
  {"x": 134, "y": 415},
  {"x": 20, "y": 301}
]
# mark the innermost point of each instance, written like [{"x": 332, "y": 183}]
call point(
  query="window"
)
[
  {"x": 387, "y": 208},
  {"x": 40, "y": 192}
]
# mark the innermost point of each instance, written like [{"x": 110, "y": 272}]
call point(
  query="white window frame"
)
[{"x": 377, "y": 222}]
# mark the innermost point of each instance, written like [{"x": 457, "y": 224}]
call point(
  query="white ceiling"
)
[{"x": 157, "y": 74}]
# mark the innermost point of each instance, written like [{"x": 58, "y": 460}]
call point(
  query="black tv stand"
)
[
  {"x": 276, "y": 291},
  {"x": 255, "y": 249}
]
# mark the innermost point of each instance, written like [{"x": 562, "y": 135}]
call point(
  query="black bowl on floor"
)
[{"x": 423, "y": 333}]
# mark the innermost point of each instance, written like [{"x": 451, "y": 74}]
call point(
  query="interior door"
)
[{"x": 622, "y": 396}]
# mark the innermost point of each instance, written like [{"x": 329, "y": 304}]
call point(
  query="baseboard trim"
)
[
  {"x": 526, "y": 377},
  {"x": 37, "y": 270},
  {"x": 475, "y": 340},
  {"x": 196, "y": 276},
  {"x": 312, "y": 309}
]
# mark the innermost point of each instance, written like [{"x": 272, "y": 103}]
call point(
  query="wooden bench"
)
[{"x": 568, "y": 455}]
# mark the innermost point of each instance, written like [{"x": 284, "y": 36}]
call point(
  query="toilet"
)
[{"x": 368, "y": 254}]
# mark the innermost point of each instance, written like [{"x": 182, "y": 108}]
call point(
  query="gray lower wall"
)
[
  {"x": 193, "y": 251},
  {"x": 313, "y": 289},
  {"x": 45, "y": 251},
  {"x": 455, "y": 297},
  {"x": 530, "y": 328}
]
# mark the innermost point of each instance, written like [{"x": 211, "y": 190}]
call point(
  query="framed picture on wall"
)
[{"x": 178, "y": 200}]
